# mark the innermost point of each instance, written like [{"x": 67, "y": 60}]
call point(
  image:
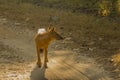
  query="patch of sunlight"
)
[
  {"x": 118, "y": 5},
  {"x": 55, "y": 62},
  {"x": 62, "y": 52},
  {"x": 116, "y": 58},
  {"x": 52, "y": 63},
  {"x": 14, "y": 76}
]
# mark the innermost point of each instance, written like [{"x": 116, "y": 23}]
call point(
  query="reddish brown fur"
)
[{"x": 42, "y": 42}]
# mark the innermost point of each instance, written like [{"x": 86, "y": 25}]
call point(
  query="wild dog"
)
[{"x": 43, "y": 38}]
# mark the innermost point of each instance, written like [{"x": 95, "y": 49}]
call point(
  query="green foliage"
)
[{"x": 108, "y": 7}]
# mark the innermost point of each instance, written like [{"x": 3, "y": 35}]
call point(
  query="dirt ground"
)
[{"x": 18, "y": 57}]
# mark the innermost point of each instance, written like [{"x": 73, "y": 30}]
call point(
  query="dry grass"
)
[
  {"x": 87, "y": 24},
  {"x": 34, "y": 16},
  {"x": 37, "y": 16}
]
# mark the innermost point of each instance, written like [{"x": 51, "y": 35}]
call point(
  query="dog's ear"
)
[{"x": 51, "y": 28}]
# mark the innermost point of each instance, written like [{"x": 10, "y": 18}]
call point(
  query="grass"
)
[{"x": 36, "y": 16}]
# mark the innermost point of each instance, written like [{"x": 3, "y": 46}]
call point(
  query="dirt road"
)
[{"x": 18, "y": 58}]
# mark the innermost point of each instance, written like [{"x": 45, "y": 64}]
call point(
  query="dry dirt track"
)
[{"x": 18, "y": 59}]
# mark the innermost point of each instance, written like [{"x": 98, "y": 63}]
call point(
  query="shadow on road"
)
[{"x": 38, "y": 74}]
